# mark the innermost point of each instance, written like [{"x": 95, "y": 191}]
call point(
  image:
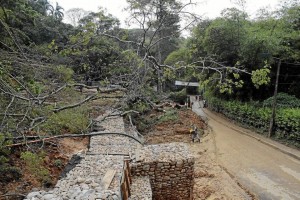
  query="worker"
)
[{"x": 194, "y": 133}]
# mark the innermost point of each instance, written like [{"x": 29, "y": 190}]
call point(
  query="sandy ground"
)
[{"x": 212, "y": 181}]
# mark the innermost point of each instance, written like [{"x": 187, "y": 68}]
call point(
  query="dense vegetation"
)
[
  {"x": 234, "y": 40},
  {"x": 44, "y": 63},
  {"x": 257, "y": 115}
]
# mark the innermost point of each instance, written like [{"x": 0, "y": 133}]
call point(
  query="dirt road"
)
[{"x": 264, "y": 171}]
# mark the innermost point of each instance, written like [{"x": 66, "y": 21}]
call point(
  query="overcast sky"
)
[{"x": 206, "y": 8}]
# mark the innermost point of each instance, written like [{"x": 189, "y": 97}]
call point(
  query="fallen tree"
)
[{"x": 46, "y": 138}]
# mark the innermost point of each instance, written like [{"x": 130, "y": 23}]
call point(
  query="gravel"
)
[{"x": 140, "y": 188}]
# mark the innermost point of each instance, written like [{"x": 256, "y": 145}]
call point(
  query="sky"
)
[{"x": 205, "y": 8}]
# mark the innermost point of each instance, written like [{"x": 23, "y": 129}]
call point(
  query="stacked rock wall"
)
[{"x": 170, "y": 168}]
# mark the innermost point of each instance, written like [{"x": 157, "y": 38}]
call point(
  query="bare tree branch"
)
[
  {"x": 5, "y": 113},
  {"x": 74, "y": 105},
  {"x": 70, "y": 136},
  {"x": 13, "y": 194}
]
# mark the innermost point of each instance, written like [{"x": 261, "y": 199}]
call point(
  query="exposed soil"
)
[
  {"x": 211, "y": 180},
  {"x": 174, "y": 131},
  {"x": 57, "y": 154}
]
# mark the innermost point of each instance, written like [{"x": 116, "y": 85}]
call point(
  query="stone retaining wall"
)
[{"x": 170, "y": 168}]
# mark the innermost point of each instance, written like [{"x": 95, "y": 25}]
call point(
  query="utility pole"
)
[{"x": 272, "y": 121}]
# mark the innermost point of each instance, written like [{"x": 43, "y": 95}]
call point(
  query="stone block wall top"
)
[
  {"x": 112, "y": 124},
  {"x": 113, "y": 144},
  {"x": 166, "y": 152}
]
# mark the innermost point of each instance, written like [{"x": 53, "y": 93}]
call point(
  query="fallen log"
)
[{"x": 71, "y": 135}]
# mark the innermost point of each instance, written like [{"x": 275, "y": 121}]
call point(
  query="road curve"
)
[{"x": 263, "y": 170}]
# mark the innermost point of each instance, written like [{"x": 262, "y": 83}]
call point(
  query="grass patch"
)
[
  {"x": 34, "y": 164},
  {"x": 72, "y": 121},
  {"x": 169, "y": 115}
]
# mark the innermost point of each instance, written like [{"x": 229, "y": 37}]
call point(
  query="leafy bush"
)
[
  {"x": 145, "y": 123},
  {"x": 7, "y": 172},
  {"x": 34, "y": 164},
  {"x": 283, "y": 101},
  {"x": 177, "y": 56},
  {"x": 5, "y": 139},
  {"x": 74, "y": 120},
  {"x": 179, "y": 96},
  {"x": 64, "y": 74},
  {"x": 287, "y": 121},
  {"x": 35, "y": 87},
  {"x": 170, "y": 115},
  {"x": 141, "y": 107},
  {"x": 142, "y": 126},
  {"x": 58, "y": 163}
]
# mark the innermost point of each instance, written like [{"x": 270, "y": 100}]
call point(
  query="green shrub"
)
[
  {"x": 177, "y": 56},
  {"x": 34, "y": 164},
  {"x": 5, "y": 139},
  {"x": 287, "y": 121},
  {"x": 58, "y": 163},
  {"x": 141, "y": 126},
  {"x": 144, "y": 123},
  {"x": 74, "y": 120},
  {"x": 141, "y": 107},
  {"x": 169, "y": 115},
  {"x": 64, "y": 73},
  {"x": 9, "y": 173},
  {"x": 283, "y": 101},
  {"x": 179, "y": 96},
  {"x": 35, "y": 87}
]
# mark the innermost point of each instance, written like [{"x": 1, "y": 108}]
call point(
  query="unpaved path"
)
[{"x": 264, "y": 171}]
